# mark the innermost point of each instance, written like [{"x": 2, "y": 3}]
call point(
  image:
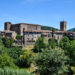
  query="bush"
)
[
  {"x": 11, "y": 71},
  {"x": 25, "y": 60},
  {"x": 52, "y": 62},
  {"x": 15, "y": 53},
  {"x": 19, "y": 37},
  {"x": 8, "y": 42},
  {"x": 52, "y": 43},
  {"x": 64, "y": 42},
  {"x": 39, "y": 45},
  {"x": 6, "y": 60},
  {"x": 70, "y": 51},
  {"x": 2, "y": 49}
]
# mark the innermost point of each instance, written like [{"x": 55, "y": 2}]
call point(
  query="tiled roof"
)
[
  {"x": 45, "y": 31},
  {"x": 8, "y": 31},
  {"x": 29, "y": 24}
]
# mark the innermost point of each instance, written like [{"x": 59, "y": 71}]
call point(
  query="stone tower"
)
[
  {"x": 63, "y": 25},
  {"x": 7, "y": 25}
]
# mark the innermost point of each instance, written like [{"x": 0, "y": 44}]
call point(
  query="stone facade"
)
[
  {"x": 31, "y": 32},
  {"x": 20, "y": 27},
  {"x": 63, "y": 25}
]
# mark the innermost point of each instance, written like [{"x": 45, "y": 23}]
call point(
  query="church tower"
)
[
  {"x": 7, "y": 25},
  {"x": 63, "y": 25}
]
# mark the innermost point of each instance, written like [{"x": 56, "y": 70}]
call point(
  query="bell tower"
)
[
  {"x": 7, "y": 25},
  {"x": 63, "y": 25}
]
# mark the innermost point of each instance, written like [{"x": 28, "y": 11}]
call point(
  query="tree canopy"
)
[
  {"x": 64, "y": 42},
  {"x": 52, "y": 43},
  {"x": 39, "y": 45},
  {"x": 52, "y": 62},
  {"x": 19, "y": 37}
]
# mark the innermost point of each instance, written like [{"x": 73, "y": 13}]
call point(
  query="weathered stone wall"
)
[
  {"x": 7, "y": 25},
  {"x": 63, "y": 25},
  {"x": 31, "y": 37}
]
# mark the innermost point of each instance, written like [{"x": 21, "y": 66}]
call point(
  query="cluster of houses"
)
[{"x": 31, "y": 32}]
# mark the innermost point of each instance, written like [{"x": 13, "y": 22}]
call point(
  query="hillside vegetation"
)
[
  {"x": 48, "y": 28},
  {"x": 44, "y": 58},
  {"x": 73, "y": 29}
]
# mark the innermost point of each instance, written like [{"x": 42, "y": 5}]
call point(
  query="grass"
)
[{"x": 11, "y": 71}]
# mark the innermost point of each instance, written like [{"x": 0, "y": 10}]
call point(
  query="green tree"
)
[
  {"x": 52, "y": 43},
  {"x": 15, "y": 53},
  {"x": 70, "y": 50},
  {"x": 39, "y": 45},
  {"x": 64, "y": 43},
  {"x": 19, "y": 37},
  {"x": 1, "y": 46},
  {"x": 8, "y": 42},
  {"x": 52, "y": 62},
  {"x": 6, "y": 60},
  {"x": 25, "y": 59}
]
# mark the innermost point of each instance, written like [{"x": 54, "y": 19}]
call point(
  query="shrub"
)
[
  {"x": 39, "y": 45},
  {"x": 6, "y": 60},
  {"x": 52, "y": 43},
  {"x": 11, "y": 71},
  {"x": 64, "y": 42},
  {"x": 8, "y": 42},
  {"x": 19, "y": 37},
  {"x": 25, "y": 59},
  {"x": 15, "y": 53},
  {"x": 52, "y": 62},
  {"x": 70, "y": 51}
]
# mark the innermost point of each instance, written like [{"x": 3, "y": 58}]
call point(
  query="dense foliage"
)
[
  {"x": 25, "y": 59},
  {"x": 52, "y": 43},
  {"x": 71, "y": 52},
  {"x": 6, "y": 60},
  {"x": 15, "y": 53},
  {"x": 52, "y": 57},
  {"x": 39, "y": 45},
  {"x": 9, "y": 57},
  {"x": 48, "y": 28},
  {"x": 11, "y": 71},
  {"x": 64, "y": 43},
  {"x": 19, "y": 37},
  {"x": 52, "y": 62},
  {"x": 8, "y": 42}
]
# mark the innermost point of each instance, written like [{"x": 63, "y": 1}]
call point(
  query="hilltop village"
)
[
  {"x": 27, "y": 49},
  {"x": 31, "y": 32}
]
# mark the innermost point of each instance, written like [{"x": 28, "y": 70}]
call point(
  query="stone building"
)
[
  {"x": 63, "y": 25},
  {"x": 31, "y": 32},
  {"x": 20, "y": 27}
]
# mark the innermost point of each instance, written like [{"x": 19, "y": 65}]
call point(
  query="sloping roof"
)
[
  {"x": 28, "y": 24},
  {"x": 37, "y": 31},
  {"x": 47, "y": 31},
  {"x": 8, "y": 31}
]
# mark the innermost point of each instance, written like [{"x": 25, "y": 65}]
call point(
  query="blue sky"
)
[{"x": 44, "y": 12}]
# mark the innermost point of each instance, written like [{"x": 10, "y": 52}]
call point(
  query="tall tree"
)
[
  {"x": 64, "y": 43},
  {"x": 52, "y": 43},
  {"x": 52, "y": 62},
  {"x": 8, "y": 42},
  {"x": 39, "y": 45},
  {"x": 70, "y": 50}
]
